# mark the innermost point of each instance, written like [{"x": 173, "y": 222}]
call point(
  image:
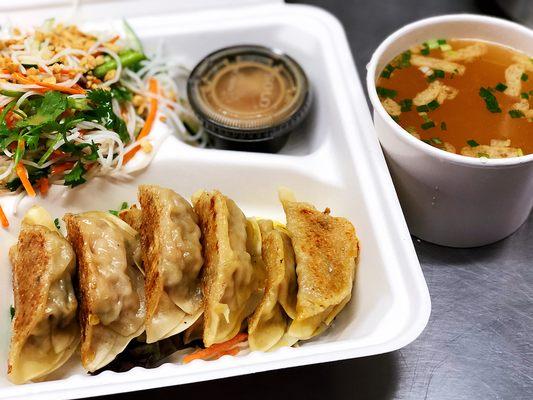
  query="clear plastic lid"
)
[{"x": 249, "y": 89}]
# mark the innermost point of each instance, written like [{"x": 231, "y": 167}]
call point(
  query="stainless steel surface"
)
[
  {"x": 479, "y": 341},
  {"x": 521, "y": 10}
]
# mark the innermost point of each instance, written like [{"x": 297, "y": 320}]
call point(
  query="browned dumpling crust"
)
[
  {"x": 326, "y": 250},
  {"x": 268, "y": 325},
  {"x": 230, "y": 283},
  {"x": 45, "y": 331},
  {"x": 172, "y": 259},
  {"x": 111, "y": 285}
]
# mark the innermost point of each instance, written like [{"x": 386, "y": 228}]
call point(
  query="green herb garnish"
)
[
  {"x": 500, "y": 87},
  {"x": 472, "y": 143},
  {"x": 428, "y": 125},
  {"x": 422, "y": 108},
  {"x": 75, "y": 176},
  {"x": 56, "y": 223},
  {"x": 524, "y": 95},
  {"x": 433, "y": 105},
  {"x": 384, "y": 92},
  {"x": 406, "y": 105},
  {"x": 436, "y": 140},
  {"x": 524, "y": 77},
  {"x": 490, "y": 100},
  {"x": 405, "y": 59},
  {"x": 516, "y": 114},
  {"x": 12, "y": 311},
  {"x": 483, "y": 154}
]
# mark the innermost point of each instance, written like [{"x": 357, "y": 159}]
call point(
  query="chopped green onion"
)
[
  {"x": 384, "y": 92},
  {"x": 490, "y": 100},
  {"x": 428, "y": 125},
  {"x": 113, "y": 212},
  {"x": 472, "y": 143},
  {"x": 524, "y": 77},
  {"x": 12, "y": 311},
  {"x": 443, "y": 126},
  {"x": 436, "y": 140},
  {"x": 516, "y": 113},
  {"x": 56, "y": 223},
  {"x": 387, "y": 71},
  {"x": 433, "y": 105},
  {"x": 439, "y": 73},
  {"x": 422, "y": 108},
  {"x": 441, "y": 41},
  {"x": 432, "y": 44},
  {"x": 406, "y": 105},
  {"x": 483, "y": 154},
  {"x": 431, "y": 78},
  {"x": 524, "y": 95},
  {"x": 425, "y": 50},
  {"x": 123, "y": 206},
  {"x": 411, "y": 129},
  {"x": 500, "y": 87},
  {"x": 405, "y": 59}
]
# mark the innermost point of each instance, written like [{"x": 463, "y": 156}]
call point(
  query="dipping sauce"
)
[
  {"x": 463, "y": 96},
  {"x": 249, "y": 97}
]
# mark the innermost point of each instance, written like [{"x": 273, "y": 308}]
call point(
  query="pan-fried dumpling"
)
[
  {"x": 111, "y": 285},
  {"x": 45, "y": 328},
  {"x": 268, "y": 325},
  {"x": 326, "y": 250},
  {"x": 172, "y": 259},
  {"x": 230, "y": 283}
]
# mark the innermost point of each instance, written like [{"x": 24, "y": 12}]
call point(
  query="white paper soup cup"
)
[{"x": 447, "y": 198}]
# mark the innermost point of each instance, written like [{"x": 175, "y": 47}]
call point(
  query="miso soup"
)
[{"x": 463, "y": 96}]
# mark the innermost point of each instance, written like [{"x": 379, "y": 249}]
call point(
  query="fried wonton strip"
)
[
  {"x": 392, "y": 107},
  {"x": 436, "y": 90},
  {"x": 513, "y": 80},
  {"x": 492, "y": 151},
  {"x": 525, "y": 108},
  {"x": 436, "y": 63},
  {"x": 524, "y": 60},
  {"x": 466, "y": 54}
]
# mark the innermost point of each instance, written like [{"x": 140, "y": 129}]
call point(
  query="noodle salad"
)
[{"x": 75, "y": 105}]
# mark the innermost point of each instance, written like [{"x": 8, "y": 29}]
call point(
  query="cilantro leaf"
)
[
  {"x": 52, "y": 106},
  {"x": 103, "y": 113},
  {"x": 75, "y": 176},
  {"x": 121, "y": 93}
]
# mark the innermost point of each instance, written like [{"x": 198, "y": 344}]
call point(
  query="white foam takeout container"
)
[
  {"x": 447, "y": 198},
  {"x": 335, "y": 161}
]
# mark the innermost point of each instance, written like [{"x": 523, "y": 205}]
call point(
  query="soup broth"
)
[{"x": 467, "y": 97}]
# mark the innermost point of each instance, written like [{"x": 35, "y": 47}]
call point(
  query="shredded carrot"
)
[
  {"x": 44, "y": 185},
  {"x": 153, "y": 87},
  {"x": 217, "y": 350},
  {"x": 50, "y": 86},
  {"x": 23, "y": 176},
  {"x": 58, "y": 168},
  {"x": 57, "y": 154},
  {"x": 3, "y": 218}
]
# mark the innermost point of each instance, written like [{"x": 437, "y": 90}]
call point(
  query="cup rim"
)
[{"x": 401, "y": 132}]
